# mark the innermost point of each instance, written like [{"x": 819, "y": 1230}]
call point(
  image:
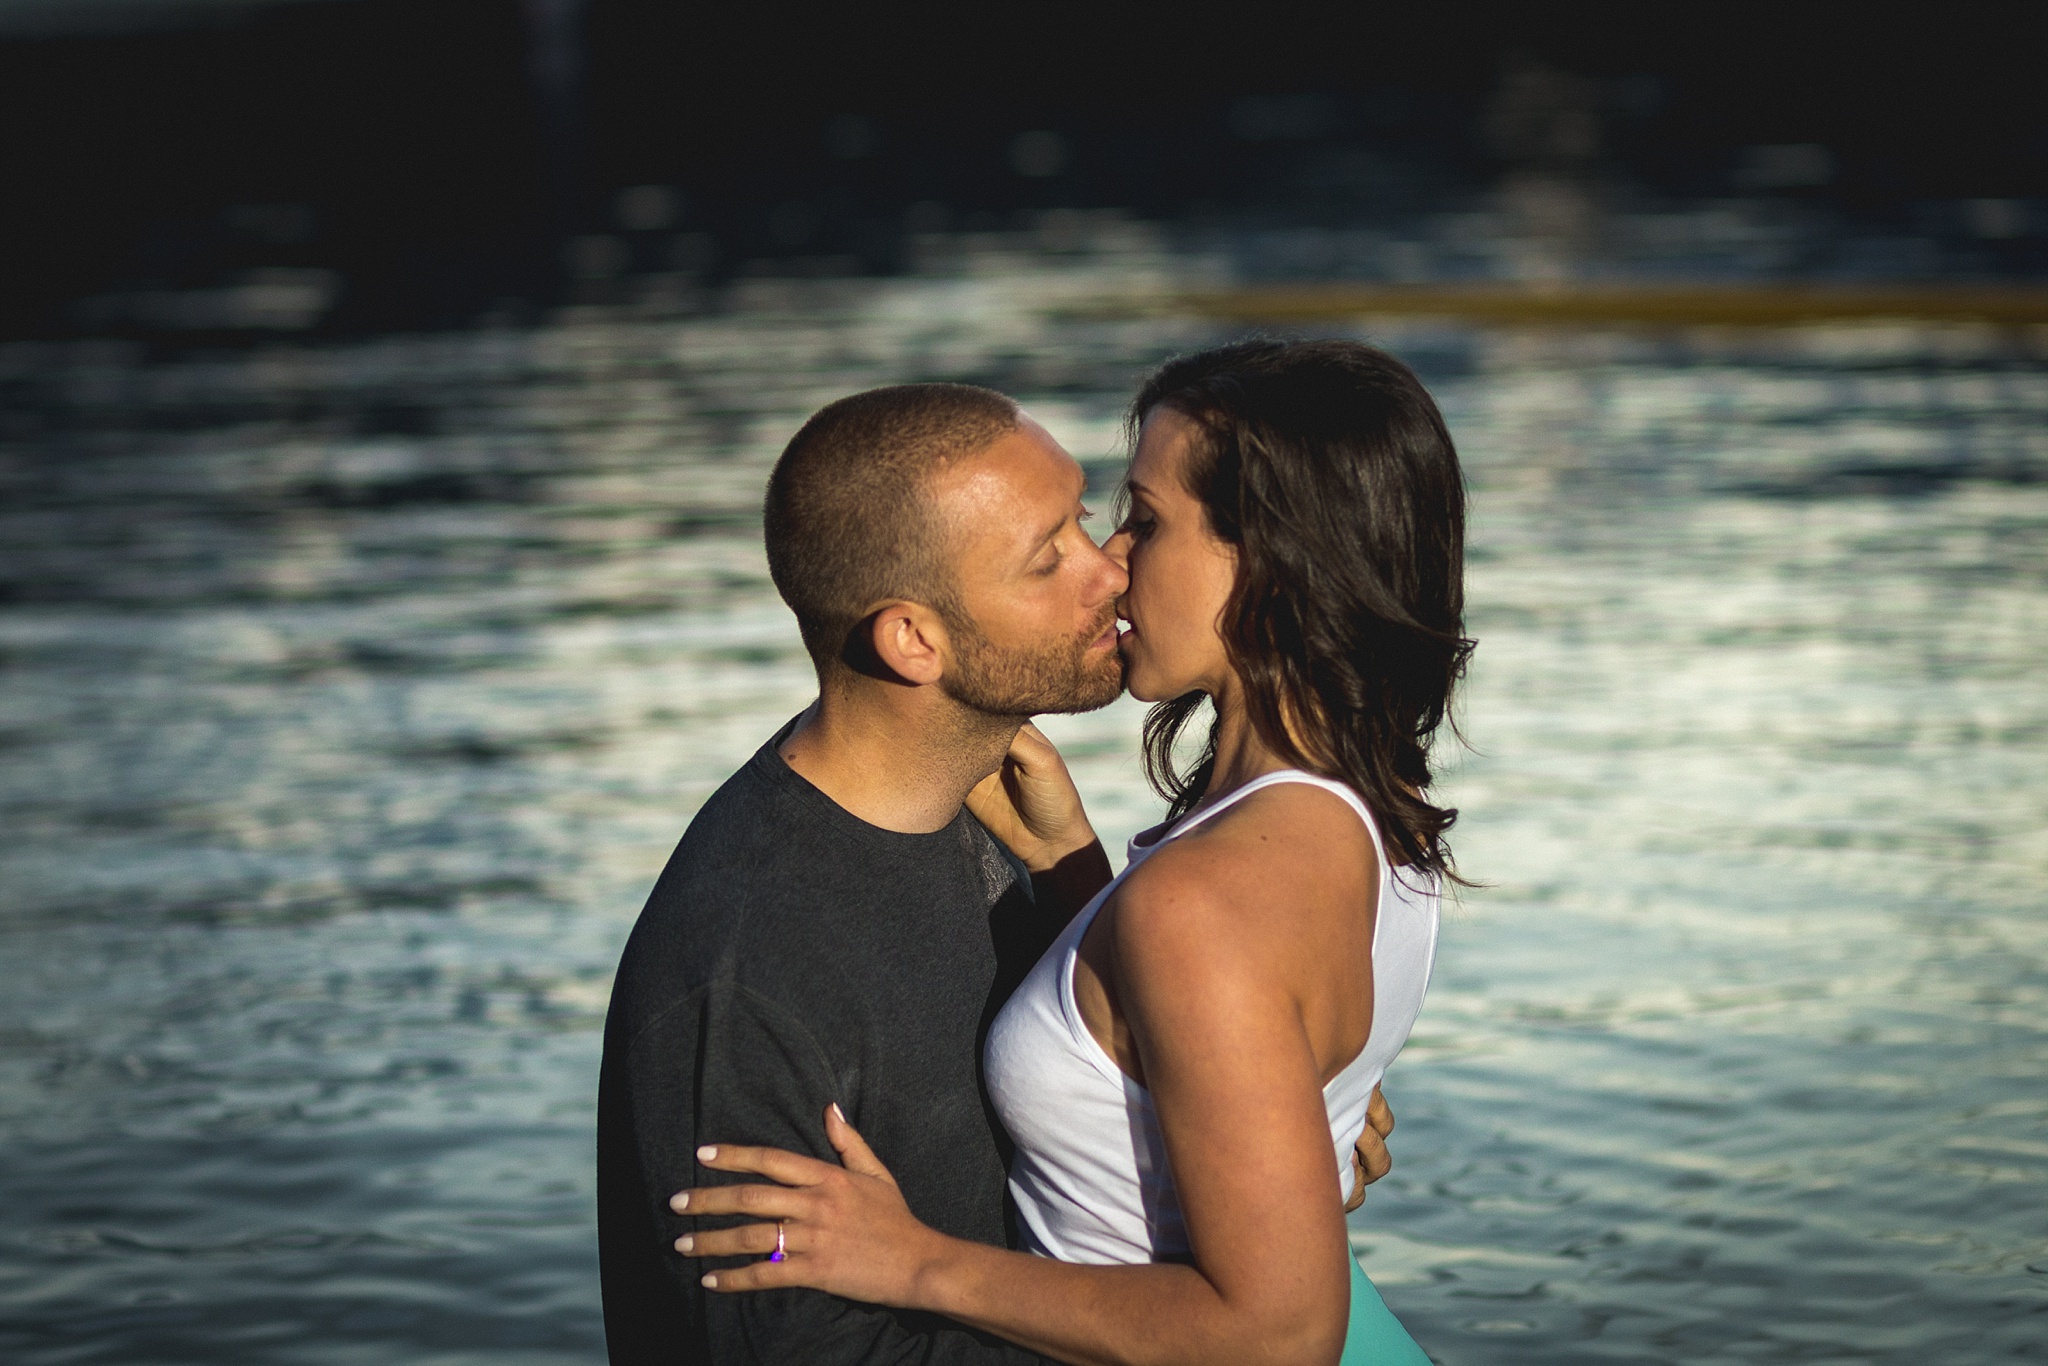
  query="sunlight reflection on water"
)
[{"x": 354, "y": 695}]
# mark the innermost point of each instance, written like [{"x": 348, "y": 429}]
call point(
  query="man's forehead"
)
[
  {"x": 998, "y": 505},
  {"x": 1024, "y": 465}
]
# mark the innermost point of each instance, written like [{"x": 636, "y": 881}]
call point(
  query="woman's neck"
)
[{"x": 1242, "y": 754}]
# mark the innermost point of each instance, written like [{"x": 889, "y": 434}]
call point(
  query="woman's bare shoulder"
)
[
  {"x": 1287, "y": 833},
  {"x": 1287, "y": 848}
]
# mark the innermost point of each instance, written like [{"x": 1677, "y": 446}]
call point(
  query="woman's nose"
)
[{"x": 1118, "y": 549}]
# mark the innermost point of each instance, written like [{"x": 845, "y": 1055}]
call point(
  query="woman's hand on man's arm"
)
[
  {"x": 810, "y": 1216},
  {"x": 847, "y": 1231}
]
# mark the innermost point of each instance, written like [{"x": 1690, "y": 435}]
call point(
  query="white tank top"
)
[{"x": 1090, "y": 1177}]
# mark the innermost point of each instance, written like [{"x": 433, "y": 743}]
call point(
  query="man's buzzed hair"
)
[{"x": 849, "y": 519}]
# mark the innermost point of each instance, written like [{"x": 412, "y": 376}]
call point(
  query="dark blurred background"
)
[{"x": 215, "y": 168}]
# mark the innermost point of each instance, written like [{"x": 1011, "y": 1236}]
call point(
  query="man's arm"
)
[{"x": 730, "y": 1066}]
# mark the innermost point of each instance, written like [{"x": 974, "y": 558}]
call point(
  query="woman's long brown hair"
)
[{"x": 1327, "y": 466}]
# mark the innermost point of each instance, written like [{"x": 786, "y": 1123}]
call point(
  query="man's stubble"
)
[{"x": 1055, "y": 677}]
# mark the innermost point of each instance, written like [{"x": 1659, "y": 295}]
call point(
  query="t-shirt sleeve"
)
[{"x": 730, "y": 1066}]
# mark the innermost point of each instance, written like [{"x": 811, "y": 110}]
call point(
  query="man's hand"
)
[{"x": 1370, "y": 1159}]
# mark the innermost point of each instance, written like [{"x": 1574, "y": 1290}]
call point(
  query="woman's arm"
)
[
  {"x": 1239, "y": 1097},
  {"x": 848, "y": 1232}
]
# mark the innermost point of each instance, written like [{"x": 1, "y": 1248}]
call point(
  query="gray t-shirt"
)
[{"x": 792, "y": 955}]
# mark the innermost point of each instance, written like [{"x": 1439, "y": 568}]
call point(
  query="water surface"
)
[{"x": 351, "y": 696}]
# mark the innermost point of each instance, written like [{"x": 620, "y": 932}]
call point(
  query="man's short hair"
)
[{"x": 849, "y": 519}]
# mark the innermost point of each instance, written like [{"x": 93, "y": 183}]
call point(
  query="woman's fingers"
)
[
  {"x": 763, "y": 1202},
  {"x": 754, "y": 1276},
  {"x": 850, "y": 1234},
  {"x": 791, "y": 1169},
  {"x": 1035, "y": 760},
  {"x": 988, "y": 790},
  {"x": 1032, "y": 748},
  {"x": 853, "y": 1149},
  {"x": 748, "y": 1240}
]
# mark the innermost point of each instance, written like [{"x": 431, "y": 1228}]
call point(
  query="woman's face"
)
[{"x": 1181, "y": 573}]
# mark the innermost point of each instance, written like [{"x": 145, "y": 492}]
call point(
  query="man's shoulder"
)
[{"x": 745, "y": 896}]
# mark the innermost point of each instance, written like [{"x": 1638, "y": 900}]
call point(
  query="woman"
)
[{"x": 1183, "y": 1071}]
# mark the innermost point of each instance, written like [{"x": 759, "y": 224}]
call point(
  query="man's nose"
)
[
  {"x": 1116, "y": 571},
  {"x": 1118, "y": 549}
]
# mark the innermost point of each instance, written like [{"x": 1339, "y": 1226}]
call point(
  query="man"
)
[{"x": 835, "y": 926}]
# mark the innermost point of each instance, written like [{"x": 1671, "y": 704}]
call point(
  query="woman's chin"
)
[
  {"x": 1138, "y": 686},
  {"x": 1140, "y": 681}
]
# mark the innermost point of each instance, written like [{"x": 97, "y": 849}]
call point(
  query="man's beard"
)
[{"x": 1057, "y": 676}]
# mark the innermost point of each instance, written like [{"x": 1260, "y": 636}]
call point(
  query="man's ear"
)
[{"x": 909, "y": 641}]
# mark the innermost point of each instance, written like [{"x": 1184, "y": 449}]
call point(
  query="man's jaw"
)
[
  {"x": 1014, "y": 685},
  {"x": 1102, "y": 652}
]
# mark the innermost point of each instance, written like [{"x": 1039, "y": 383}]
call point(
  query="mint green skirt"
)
[{"x": 1375, "y": 1337}]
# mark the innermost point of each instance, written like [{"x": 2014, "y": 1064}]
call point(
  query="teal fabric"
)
[{"x": 1375, "y": 1337}]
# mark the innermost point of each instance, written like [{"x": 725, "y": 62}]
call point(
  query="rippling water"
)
[{"x": 351, "y": 697}]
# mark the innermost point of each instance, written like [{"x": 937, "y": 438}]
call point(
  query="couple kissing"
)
[{"x": 896, "y": 1069}]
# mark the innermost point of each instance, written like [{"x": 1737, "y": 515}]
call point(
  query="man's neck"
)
[{"x": 900, "y": 758}]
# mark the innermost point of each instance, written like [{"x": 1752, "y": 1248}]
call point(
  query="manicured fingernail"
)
[
  {"x": 679, "y": 1202},
  {"x": 685, "y": 1243},
  {"x": 839, "y": 1112},
  {"x": 711, "y": 1282},
  {"x": 707, "y": 1154}
]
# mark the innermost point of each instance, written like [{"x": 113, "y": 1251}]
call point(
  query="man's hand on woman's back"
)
[{"x": 1370, "y": 1159}]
